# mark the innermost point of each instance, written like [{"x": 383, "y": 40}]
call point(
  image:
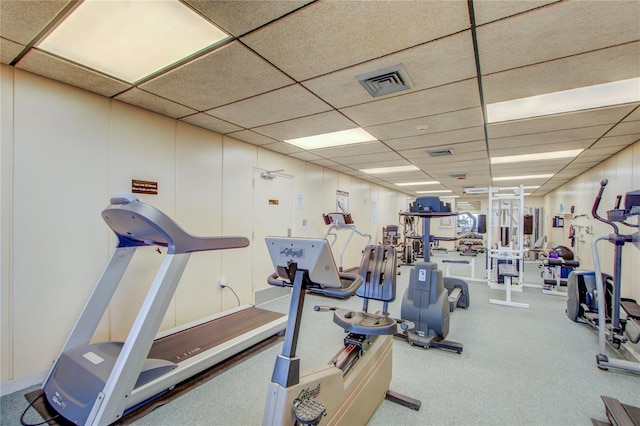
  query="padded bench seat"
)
[{"x": 453, "y": 298}]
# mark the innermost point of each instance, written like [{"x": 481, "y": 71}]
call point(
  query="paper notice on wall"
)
[{"x": 374, "y": 212}]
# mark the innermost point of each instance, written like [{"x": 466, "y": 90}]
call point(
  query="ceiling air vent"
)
[
  {"x": 388, "y": 80},
  {"x": 440, "y": 152}
]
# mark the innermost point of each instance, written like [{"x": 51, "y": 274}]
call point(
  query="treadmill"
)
[{"x": 98, "y": 383}]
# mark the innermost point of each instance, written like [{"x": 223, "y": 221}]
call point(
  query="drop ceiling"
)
[{"x": 290, "y": 70}]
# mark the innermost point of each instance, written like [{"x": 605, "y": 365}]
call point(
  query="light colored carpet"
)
[{"x": 519, "y": 367}]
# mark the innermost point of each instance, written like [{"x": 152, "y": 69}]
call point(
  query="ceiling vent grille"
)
[
  {"x": 385, "y": 81},
  {"x": 440, "y": 152}
]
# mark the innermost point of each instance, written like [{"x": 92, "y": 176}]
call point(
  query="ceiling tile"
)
[
  {"x": 252, "y": 137},
  {"x": 341, "y": 88},
  {"x": 226, "y": 75},
  {"x": 624, "y": 140},
  {"x": 279, "y": 105},
  {"x": 625, "y": 128},
  {"x": 282, "y": 148},
  {"x": 457, "y": 148},
  {"x": 492, "y": 10},
  {"x": 442, "y": 139},
  {"x": 375, "y": 147},
  {"x": 471, "y": 117},
  {"x": 548, "y": 137},
  {"x": 572, "y": 120},
  {"x": 536, "y": 148},
  {"x": 60, "y": 70},
  {"x": 605, "y": 150},
  {"x": 590, "y": 159},
  {"x": 555, "y": 31},
  {"x": 525, "y": 48},
  {"x": 530, "y": 167},
  {"x": 305, "y": 156},
  {"x": 238, "y": 17},
  {"x": 602, "y": 66},
  {"x": 449, "y": 161},
  {"x": 366, "y": 161},
  {"x": 452, "y": 97},
  {"x": 211, "y": 123},
  {"x": 635, "y": 115},
  {"x": 328, "y": 36},
  {"x": 154, "y": 103},
  {"x": 341, "y": 168},
  {"x": 325, "y": 163},
  {"x": 9, "y": 50},
  {"x": 325, "y": 122},
  {"x": 376, "y": 164},
  {"x": 580, "y": 167},
  {"x": 21, "y": 21},
  {"x": 471, "y": 168}
]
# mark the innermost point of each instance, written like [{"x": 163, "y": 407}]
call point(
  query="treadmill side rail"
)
[
  {"x": 97, "y": 304},
  {"x": 134, "y": 352}
]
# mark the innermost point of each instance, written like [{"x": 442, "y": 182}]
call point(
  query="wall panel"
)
[
  {"x": 6, "y": 222},
  {"x": 198, "y": 208},
  {"x": 60, "y": 241},
  {"x": 239, "y": 161}
]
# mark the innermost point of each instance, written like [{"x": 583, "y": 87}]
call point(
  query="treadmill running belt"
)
[{"x": 192, "y": 341}]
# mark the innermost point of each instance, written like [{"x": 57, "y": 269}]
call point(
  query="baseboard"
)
[
  {"x": 25, "y": 382},
  {"x": 271, "y": 293}
]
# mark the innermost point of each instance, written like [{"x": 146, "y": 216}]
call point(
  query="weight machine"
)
[{"x": 505, "y": 255}]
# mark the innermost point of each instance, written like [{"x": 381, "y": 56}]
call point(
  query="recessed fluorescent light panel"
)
[
  {"x": 554, "y": 155},
  {"x": 427, "y": 182},
  {"x": 441, "y": 191},
  {"x": 524, "y": 177},
  {"x": 130, "y": 39},
  {"x": 506, "y": 188},
  {"x": 390, "y": 169},
  {"x": 600, "y": 95},
  {"x": 327, "y": 140}
]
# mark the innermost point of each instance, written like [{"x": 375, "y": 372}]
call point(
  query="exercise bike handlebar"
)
[{"x": 596, "y": 205}]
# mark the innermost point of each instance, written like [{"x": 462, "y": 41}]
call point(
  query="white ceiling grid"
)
[{"x": 289, "y": 70}]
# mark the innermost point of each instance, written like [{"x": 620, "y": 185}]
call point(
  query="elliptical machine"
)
[{"x": 617, "y": 331}]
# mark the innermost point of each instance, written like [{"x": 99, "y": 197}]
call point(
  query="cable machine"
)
[{"x": 505, "y": 244}]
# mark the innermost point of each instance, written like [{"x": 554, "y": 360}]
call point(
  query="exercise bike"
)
[
  {"x": 349, "y": 388},
  {"x": 618, "y": 330}
]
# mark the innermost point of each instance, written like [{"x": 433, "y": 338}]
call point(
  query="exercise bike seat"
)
[{"x": 378, "y": 273}]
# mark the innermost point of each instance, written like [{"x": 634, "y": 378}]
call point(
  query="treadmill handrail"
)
[{"x": 139, "y": 224}]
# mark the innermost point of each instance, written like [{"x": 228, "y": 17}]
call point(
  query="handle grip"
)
[
  {"x": 324, "y": 308},
  {"x": 407, "y": 325},
  {"x": 596, "y": 203}
]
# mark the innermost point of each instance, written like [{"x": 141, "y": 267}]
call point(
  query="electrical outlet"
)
[{"x": 223, "y": 283}]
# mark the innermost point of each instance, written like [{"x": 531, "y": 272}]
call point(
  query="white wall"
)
[{"x": 65, "y": 151}]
